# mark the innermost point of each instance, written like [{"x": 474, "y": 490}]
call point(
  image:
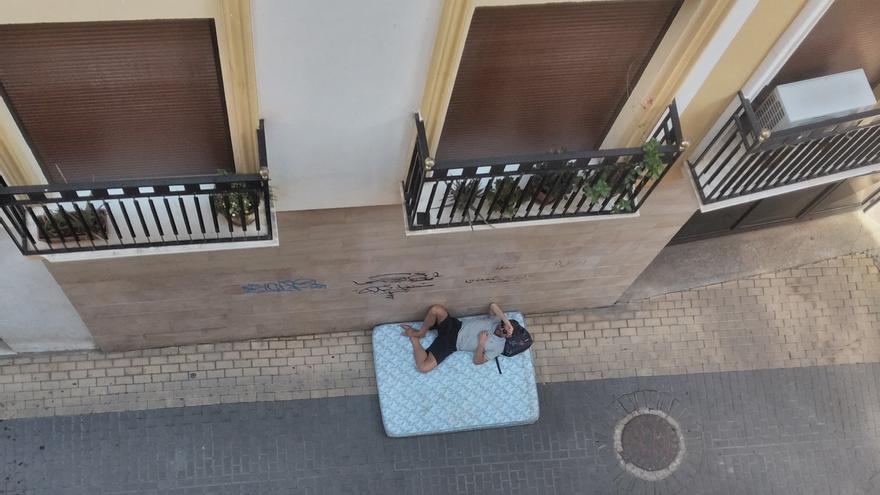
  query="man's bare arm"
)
[
  {"x": 480, "y": 353},
  {"x": 496, "y": 311}
]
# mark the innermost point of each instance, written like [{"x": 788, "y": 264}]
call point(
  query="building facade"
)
[{"x": 185, "y": 172}]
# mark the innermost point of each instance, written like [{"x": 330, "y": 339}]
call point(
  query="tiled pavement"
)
[
  {"x": 786, "y": 431},
  {"x": 821, "y": 314}
]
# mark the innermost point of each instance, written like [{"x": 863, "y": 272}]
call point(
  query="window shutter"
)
[
  {"x": 539, "y": 77},
  {"x": 112, "y": 100},
  {"x": 845, "y": 38}
]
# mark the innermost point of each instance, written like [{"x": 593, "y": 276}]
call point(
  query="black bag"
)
[{"x": 519, "y": 342}]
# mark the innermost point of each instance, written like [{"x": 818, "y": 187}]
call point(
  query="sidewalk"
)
[
  {"x": 819, "y": 314},
  {"x": 798, "y": 431}
]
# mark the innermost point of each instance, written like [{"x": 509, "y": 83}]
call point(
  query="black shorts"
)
[{"x": 447, "y": 335}]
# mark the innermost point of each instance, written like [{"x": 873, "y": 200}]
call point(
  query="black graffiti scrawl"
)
[{"x": 388, "y": 284}]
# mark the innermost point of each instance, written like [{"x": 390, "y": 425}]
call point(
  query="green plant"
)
[
  {"x": 504, "y": 194},
  {"x": 650, "y": 167},
  {"x": 462, "y": 191},
  {"x": 622, "y": 205},
  {"x": 69, "y": 224},
  {"x": 236, "y": 205},
  {"x": 598, "y": 190},
  {"x": 555, "y": 185}
]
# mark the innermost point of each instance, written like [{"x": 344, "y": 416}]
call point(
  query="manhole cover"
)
[{"x": 649, "y": 444}]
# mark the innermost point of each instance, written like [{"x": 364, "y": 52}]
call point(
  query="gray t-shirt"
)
[{"x": 469, "y": 337}]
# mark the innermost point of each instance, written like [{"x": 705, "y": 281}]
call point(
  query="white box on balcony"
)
[{"x": 815, "y": 99}]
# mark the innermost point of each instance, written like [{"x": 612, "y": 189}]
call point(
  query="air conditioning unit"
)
[{"x": 812, "y": 100}]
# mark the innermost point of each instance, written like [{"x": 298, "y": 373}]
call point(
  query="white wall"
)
[
  {"x": 35, "y": 315},
  {"x": 338, "y": 81}
]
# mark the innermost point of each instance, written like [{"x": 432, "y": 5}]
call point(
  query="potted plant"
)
[
  {"x": 462, "y": 191},
  {"x": 61, "y": 226},
  {"x": 555, "y": 185},
  {"x": 238, "y": 205},
  {"x": 503, "y": 195},
  {"x": 650, "y": 167}
]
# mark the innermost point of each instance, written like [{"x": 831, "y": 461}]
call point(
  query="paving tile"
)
[{"x": 820, "y": 314}]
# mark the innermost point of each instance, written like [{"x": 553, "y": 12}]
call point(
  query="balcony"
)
[
  {"x": 564, "y": 185},
  {"x": 744, "y": 162},
  {"x": 145, "y": 213}
]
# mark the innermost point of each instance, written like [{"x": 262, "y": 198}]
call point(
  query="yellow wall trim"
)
[
  {"x": 236, "y": 42},
  {"x": 17, "y": 164},
  {"x": 448, "y": 47}
]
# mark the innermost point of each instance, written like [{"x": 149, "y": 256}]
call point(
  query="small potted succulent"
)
[
  {"x": 503, "y": 195},
  {"x": 554, "y": 185},
  {"x": 71, "y": 224},
  {"x": 239, "y": 204},
  {"x": 460, "y": 192}
]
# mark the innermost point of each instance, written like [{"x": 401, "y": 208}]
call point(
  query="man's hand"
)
[
  {"x": 480, "y": 353},
  {"x": 496, "y": 311},
  {"x": 508, "y": 327}
]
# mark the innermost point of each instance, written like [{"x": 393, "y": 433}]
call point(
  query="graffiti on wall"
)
[
  {"x": 495, "y": 279},
  {"x": 389, "y": 284},
  {"x": 295, "y": 285},
  {"x": 574, "y": 262}
]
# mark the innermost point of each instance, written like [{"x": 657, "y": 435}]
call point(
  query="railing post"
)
[
  {"x": 264, "y": 176},
  {"x": 21, "y": 245},
  {"x": 419, "y": 168},
  {"x": 759, "y": 134},
  {"x": 261, "y": 145},
  {"x": 676, "y": 124},
  {"x": 267, "y": 199}
]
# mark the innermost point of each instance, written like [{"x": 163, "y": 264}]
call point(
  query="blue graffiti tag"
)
[{"x": 284, "y": 286}]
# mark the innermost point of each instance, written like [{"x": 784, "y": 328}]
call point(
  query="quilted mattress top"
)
[{"x": 457, "y": 395}]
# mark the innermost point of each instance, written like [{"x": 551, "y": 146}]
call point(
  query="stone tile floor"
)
[
  {"x": 774, "y": 381},
  {"x": 820, "y": 314},
  {"x": 810, "y": 430}
]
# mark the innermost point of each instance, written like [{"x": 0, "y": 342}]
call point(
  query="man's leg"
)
[
  {"x": 435, "y": 315},
  {"x": 425, "y": 361}
]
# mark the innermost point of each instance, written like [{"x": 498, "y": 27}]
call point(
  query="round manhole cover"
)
[{"x": 649, "y": 444}]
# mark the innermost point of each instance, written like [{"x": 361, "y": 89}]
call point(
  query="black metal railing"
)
[
  {"x": 535, "y": 187},
  {"x": 743, "y": 158},
  {"x": 123, "y": 214}
]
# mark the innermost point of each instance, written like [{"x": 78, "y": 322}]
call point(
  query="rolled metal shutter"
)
[
  {"x": 535, "y": 78},
  {"x": 845, "y": 38},
  {"x": 111, "y": 100}
]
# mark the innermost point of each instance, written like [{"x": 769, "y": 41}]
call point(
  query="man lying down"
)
[{"x": 486, "y": 339}]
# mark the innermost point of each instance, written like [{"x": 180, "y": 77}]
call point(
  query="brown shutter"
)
[
  {"x": 540, "y": 77},
  {"x": 847, "y": 37},
  {"x": 109, "y": 100}
]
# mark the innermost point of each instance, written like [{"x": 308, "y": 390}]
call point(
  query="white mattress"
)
[{"x": 457, "y": 395}]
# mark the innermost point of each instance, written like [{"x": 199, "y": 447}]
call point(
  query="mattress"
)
[{"x": 455, "y": 396}]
